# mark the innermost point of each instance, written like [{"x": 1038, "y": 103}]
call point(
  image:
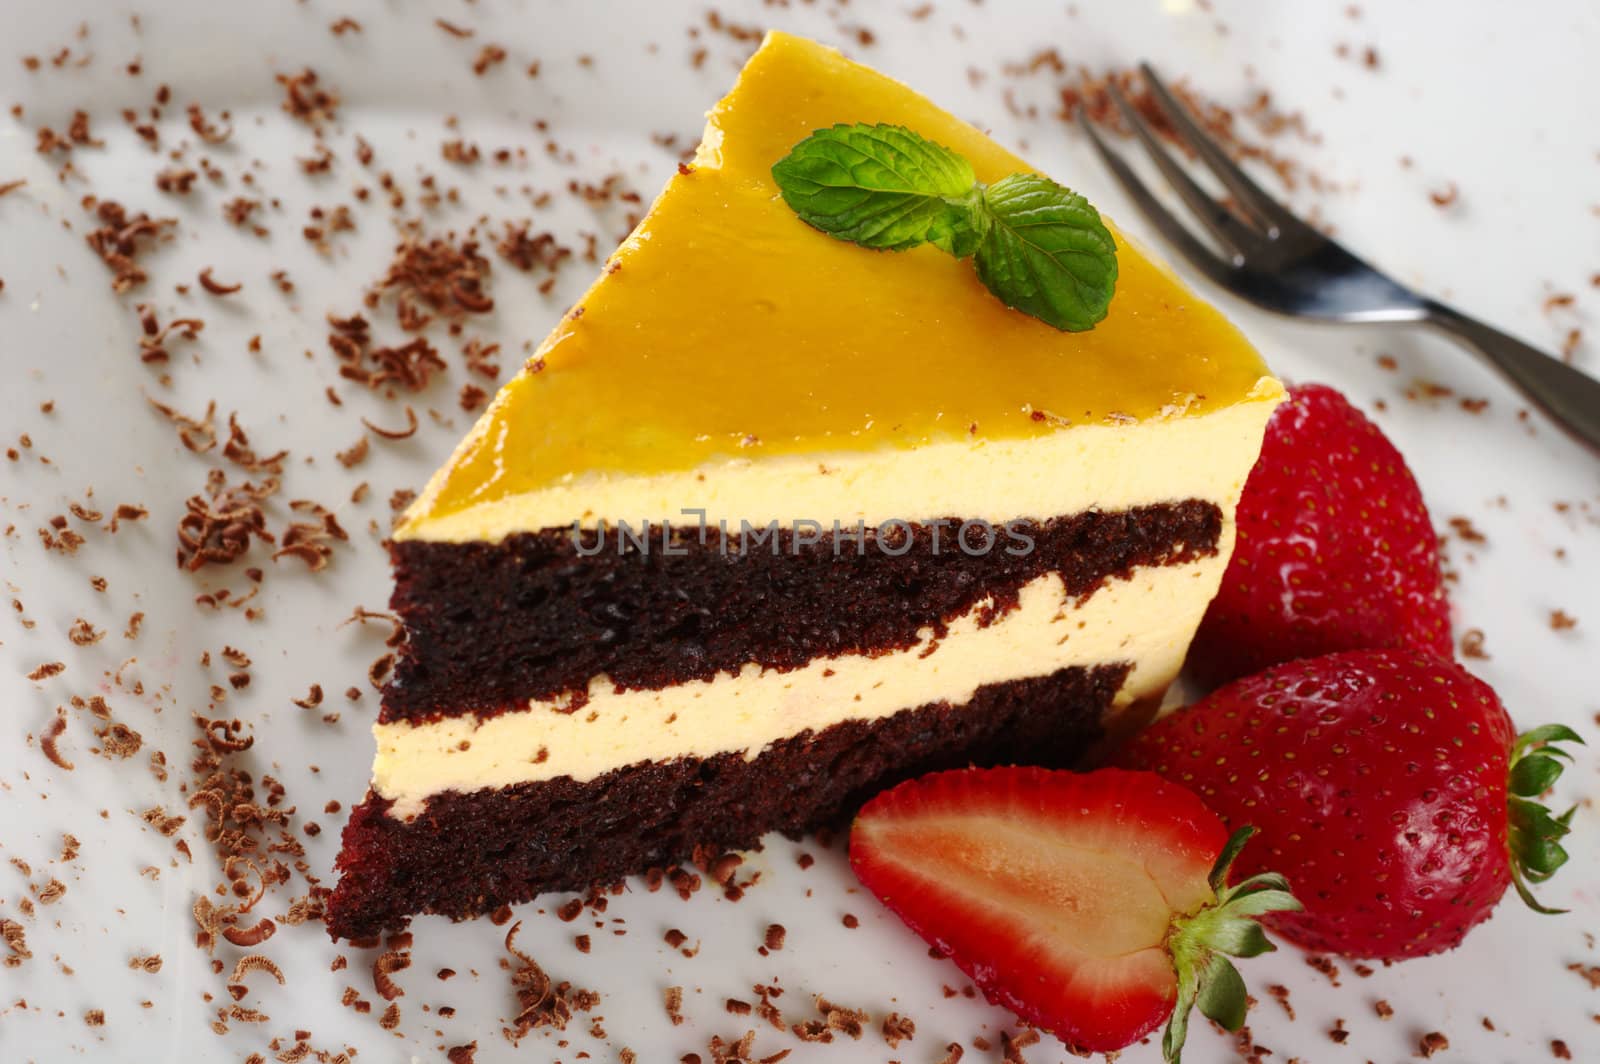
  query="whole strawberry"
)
[
  {"x": 1335, "y": 549},
  {"x": 1387, "y": 785}
]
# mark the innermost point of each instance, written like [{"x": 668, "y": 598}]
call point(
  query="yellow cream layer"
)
[
  {"x": 1146, "y": 620},
  {"x": 1104, "y": 467},
  {"x": 725, "y": 328}
]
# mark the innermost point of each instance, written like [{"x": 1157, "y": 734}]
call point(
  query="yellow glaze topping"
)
[{"x": 724, "y": 327}]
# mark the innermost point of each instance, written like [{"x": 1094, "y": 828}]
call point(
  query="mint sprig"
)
[{"x": 1039, "y": 247}]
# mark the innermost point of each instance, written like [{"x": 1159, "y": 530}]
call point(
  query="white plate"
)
[{"x": 1503, "y": 109}]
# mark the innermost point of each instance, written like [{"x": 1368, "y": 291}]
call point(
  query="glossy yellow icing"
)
[{"x": 724, "y": 327}]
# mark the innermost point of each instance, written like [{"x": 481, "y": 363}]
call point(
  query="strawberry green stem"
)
[
  {"x": 1201, "y": 943},
  {"x": 1533, "y": 834}
]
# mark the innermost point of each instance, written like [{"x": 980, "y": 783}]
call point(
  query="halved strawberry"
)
[{"x": 1093, "y": 905}]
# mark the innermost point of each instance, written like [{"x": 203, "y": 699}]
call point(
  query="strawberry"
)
[
  {"x": 1092, "y": 905},
  {"x": 1335, "y": 549},
  {"x": 1389, "y": 784}
]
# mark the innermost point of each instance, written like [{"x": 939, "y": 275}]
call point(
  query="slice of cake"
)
[{"x": 772, "y": 521}]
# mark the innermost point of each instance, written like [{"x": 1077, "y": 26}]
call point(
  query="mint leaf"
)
[
  {"x": 1039, "y": 247},
  {"x": 882, "y": 187},
  {"x": 1047, "y": 252}
]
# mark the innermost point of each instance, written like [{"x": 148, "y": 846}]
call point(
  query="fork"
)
[{"x": 1278, "y": 262}]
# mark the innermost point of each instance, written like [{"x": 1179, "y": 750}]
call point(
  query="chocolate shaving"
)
[
  {"x": 121, "y": 238},
  {"x": 47, "y": 741},
  {"x": 126, "y": 512},
  {"x": 392, "y": 434},
  {"x": 118, "y": 741},
  {"x": 442, "y": 273},
  {"x": 83, "y": 634},
  {"x": 305, "y": 99},
  {"x": 255, "y": 962},
  {"x": 897, "y": 1028},
  {"x": 847, "y": 1021},
  {"x": 165, "y": 824},
  {"x": 179, "y": 181},
  {"x": 1089, "y": 92},
  {"x": 411, "y": 365},
  {"x": 219, "y": 524},
  {"x": 77, "y": 136},
  {"x": 211, "y": 919},
  {"x": 203, "y": 129},
  {"x": 1011, "y": 1046},
  {"x": 311, "y": 541},
  {"x": 479, "y": 357},
  {"x": 460, "y": 152},
  {"x": 238, "y": 451},
  {"x": 542, "y": 1002},
  {"x": 15, "y": 937},
  {"x": 239, "y": 210},
  {"x": 216, "y": 287},
  {"x": 378, "y": 672},
  {"x": 361, "y": 615},
  {"x": 249, "y": 937},
  {"x": 383, "y": 969},
  {"x": 354, "y": 454},
  {"x": 528, "y": 251},
  {"x": 153, "y": 337},
  {"x": 491, "y": 55}
]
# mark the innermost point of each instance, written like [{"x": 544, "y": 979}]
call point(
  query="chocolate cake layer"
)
[
  {"x": 466, "y": 854},
  {"x": 490, "y": 626}
]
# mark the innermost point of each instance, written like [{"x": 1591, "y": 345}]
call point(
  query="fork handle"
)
[{"x": 1569, "y": 396}]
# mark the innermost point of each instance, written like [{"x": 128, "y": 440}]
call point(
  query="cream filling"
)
[
  {"x": 1078, "y": 468},
  {"x": 1146, "y": 620}
]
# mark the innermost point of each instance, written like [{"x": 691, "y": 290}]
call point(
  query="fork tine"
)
[
  {"x": 1255, "y": 202},
  {"x": 1204, "y": 259},
  {"x": 1237, "y": 237}
]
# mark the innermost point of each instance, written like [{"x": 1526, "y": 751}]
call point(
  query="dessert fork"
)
[{"x": 1278, "y": 262}]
